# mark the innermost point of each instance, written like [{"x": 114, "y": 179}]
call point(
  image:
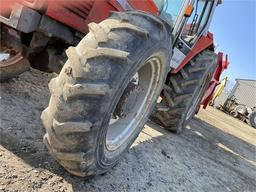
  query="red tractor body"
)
[{"x": 78, "y": 14}]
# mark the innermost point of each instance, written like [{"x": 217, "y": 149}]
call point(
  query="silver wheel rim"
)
[{"x": 136, "y": 104}]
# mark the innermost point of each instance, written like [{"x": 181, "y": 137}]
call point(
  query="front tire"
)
[
  {"x": 97, "y": 77},
  {"x": 183, "y": 92}
]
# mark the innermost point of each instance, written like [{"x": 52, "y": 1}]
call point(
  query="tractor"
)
[
  {"x": 118, "y": 62},
  {"x": 240, "y": 111}
]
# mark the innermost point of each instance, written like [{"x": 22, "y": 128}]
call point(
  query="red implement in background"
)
[{"x": 221, "y": 66}]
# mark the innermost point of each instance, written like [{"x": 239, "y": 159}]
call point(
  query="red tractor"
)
[{"x": 114, "y": 59}]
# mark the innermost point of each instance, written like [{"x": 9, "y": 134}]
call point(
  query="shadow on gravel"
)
[
  {"x": 212, "y": 141},
  {"x": 199, "y": 142},
  {"x": 228, "y": 143},
  {"x": 203, "y": 153}
]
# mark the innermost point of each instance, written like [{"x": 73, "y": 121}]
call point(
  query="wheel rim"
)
[
  {"x": 133, "y": 104},
  {"x": 9, "y": 57},
  {"x": 12, "y": 63}
]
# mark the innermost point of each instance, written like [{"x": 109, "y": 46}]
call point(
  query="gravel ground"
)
[{"x": 215, "y": 153}]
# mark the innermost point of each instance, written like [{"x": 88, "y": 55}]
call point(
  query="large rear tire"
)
[
  {"x": 183, "y": 92},
  {"x": 82, "y": 131}
]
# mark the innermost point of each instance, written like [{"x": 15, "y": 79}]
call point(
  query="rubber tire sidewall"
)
[{"x": 201, "y": 89}]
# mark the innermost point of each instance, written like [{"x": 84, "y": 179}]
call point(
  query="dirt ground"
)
[{"x": 215, "y": 153}]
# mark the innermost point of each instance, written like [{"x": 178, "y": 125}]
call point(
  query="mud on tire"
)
[
  {"x": 85, "y": 94},
  {"x": 183, "y": 92}
]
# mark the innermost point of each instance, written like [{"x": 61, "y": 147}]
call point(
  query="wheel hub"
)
[
  {"x": 9, "y": 56},
  {"x": 133, "y": 104},
  {"x": 128, "y": 100},
  {"x": 11, "y": 63}
]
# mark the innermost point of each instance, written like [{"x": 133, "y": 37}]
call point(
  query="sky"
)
[{"x": 234, "y": 29}]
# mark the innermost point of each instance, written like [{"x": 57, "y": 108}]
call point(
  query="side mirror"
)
[{"x": 188, "y": 11}]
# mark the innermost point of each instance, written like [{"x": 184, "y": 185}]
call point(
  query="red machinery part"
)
[
  {"x": 144, "y": 5},
  {"x": 76, "y": 14},
  {"x": 6, "y": 5},
  {"x": 203, "y": 43},
  {"x": 79, "y": 13},
  {"x": 222, "y": 64},
  {"x": 36, "y": 4}
]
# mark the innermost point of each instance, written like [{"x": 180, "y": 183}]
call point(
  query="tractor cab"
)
[{"x": 191, "y": 20}]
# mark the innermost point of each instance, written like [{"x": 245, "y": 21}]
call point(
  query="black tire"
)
[
  {"x": 183, "y": 91},
  {"x": 241, "y": 109},
  {"x": 252, "y": 119},
  {"x": 86, "y": 92},
  {"x": 234, "y": 113}
]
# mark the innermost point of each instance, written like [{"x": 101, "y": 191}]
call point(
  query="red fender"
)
[
  {"x": 79, "y": 13},
  {"x": 92, "y": 11},
  {"x": 222, "y": 64},
  {"x": 144, "y": 5}
]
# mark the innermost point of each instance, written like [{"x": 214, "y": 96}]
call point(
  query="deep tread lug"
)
[
  {"x": 71, "y": 127},
  {"x": 154, "y": 19},
  {"x": 73, "y": 56},
  {"x": 175, "y": 85},
  {"x": 161, "y": 107},
  {"x": 184, "y": 74},
  {"x": 46, "y": 119},
  {"x": 70, "y": 91},
  {"x": 106, "y": 52},
  {"x": 52, "y": 85},
  {"x": 182, "y": 98},
  {"x": 168, "y": 99},
  {"x": 168, "y": 88},
  {"x": 99, "y": 33},
  {"x": 79, "y": 157},
  {"x": 128, "y": 26},
  {"x": 196, "y": 69},
  {"x": 188, "y": 83}
]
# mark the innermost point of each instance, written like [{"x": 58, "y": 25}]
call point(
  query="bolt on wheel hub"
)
[{"x": 133, "y": 103}]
